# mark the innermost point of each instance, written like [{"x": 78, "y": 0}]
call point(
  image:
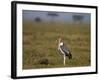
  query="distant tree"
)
[
  {"x": 78, "y": 18},
  {"x": 52, "y": 15},
  {"x": 38, "y": 19}
]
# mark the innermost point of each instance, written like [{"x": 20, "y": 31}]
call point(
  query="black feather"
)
[{"x": 66, "y": 51}]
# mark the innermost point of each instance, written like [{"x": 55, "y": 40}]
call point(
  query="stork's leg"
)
[{"x": 64, "y": 59}]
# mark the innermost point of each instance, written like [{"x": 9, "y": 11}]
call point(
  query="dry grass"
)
[{"x": 40, "y": 44}]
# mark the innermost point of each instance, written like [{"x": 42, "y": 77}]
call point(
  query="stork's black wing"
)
[{"x": 65, "y": 50}]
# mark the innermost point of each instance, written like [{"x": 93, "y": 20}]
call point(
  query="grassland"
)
[{"x": 40, "y": 44}]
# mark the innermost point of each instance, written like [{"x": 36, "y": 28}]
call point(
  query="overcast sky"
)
[{"x": 63, "y": 16}]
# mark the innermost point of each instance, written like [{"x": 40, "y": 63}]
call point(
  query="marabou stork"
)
[{"x": 64, "y": 50}]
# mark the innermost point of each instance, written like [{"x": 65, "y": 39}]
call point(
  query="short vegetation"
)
[{"x": 40, "y": 42}]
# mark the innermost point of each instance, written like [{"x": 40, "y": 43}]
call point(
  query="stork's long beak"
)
[
  {"x": 59, "y": 40},
  {"x": 56, "y": 41}
]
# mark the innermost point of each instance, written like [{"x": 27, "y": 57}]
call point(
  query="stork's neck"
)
[{"x": 59, "y": 40}]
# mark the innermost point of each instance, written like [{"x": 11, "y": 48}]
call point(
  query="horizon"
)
[{"x": 30, "y": 15}]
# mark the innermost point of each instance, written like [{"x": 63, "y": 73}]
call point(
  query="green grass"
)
[{"x": 40, "y": 44}]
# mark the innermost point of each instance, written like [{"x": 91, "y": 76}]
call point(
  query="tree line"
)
[{"x": 77, "y": 18}]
